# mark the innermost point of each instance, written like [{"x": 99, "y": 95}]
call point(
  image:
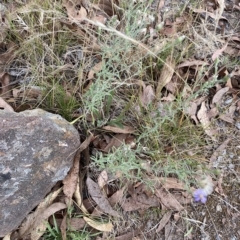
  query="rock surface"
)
[{"x": 36, "y": 150}]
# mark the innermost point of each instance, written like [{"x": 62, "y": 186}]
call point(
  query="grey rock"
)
[{"x": 36, "y": 150}]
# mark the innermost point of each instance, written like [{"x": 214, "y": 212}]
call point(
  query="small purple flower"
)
[{"x": 200, "y": 195}]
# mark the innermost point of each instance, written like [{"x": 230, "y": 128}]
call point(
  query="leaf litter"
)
[{"x": 168, "y": 194}]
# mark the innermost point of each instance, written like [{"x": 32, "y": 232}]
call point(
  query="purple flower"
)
[{"x": 200, "y": 195}]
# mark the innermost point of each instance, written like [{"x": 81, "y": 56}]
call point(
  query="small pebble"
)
[
  {"x": 231, "y": 166},
  {"x": 219, "y": 208},
  {"x": 237, "y": 125},
  {"x": 228, "y": 101}
]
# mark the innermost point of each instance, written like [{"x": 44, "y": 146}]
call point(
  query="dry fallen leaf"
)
[
  {"x": 232, "y": 51},
  {"x": 5, "y": 106},
  {"x": 166, "y": 75},
  {"x": 169, "y": 27},
  {"x": 116, "y": 141},
  {"x": 28, "y": 93},
  {"x": 160, "y": 5},
  {"x": 86, "y": 143},
  {"x": 102, "y": 179},
  {"x": 221, "y": 6},
  {"x": 190, "y": 63},
  {"x": 168, "y": 200},
  {"x": 55, "y": 207},
  {"x": 4, "y": 23},
  {"x": 113, "y": 200},
  {"x": 97, "y": 68},
  {"x": 140, "y": 202},
  {"x": 191, "y": 111},
  {"x": 76, "y": 224},
  {"x": 219, "y": 185},
  {"x": 63, "y": 227},
  {"x": 218, "y": 151},
  {"x": 5, "y": 87},
  {"x": 213, "y": 112},
  {"x": 99, "y": 18},
  {"x": 116, "y": 197},
  {"x": 100, "y": 198},
  {"x": 184, "y": 197},
  {"x": 228, "y": 116},
  {"x": 7, "y": 237},
  {"x": 205, "y": 121},
  {"x": 129, "y": 235},
  {"x": 219, "y": 52},
  {"x": 166, "y": 217},
  {"x": 79, "y": 199},
  {"x": 36, "y": 220},
  {"x": 106, "y": 6},
  {"x": 70, "y": 181},
  {"x": 9, "y": 55},
  {"x": 218, "y": 96},
  {"x": 210, "y": 14},
  {"x": 103, "y": 227},
  {"x": 170, "y": 183},
  {"x": 170, "y": 97},
  {"x": 73, "y": 12},
  {"x": 131, "y": 205},
  {"x": 147, "y": 96},
  {"x": 125, "y": 129}
]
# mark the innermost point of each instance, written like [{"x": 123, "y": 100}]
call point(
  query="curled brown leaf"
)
[{"x": 98, "y": 196}]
